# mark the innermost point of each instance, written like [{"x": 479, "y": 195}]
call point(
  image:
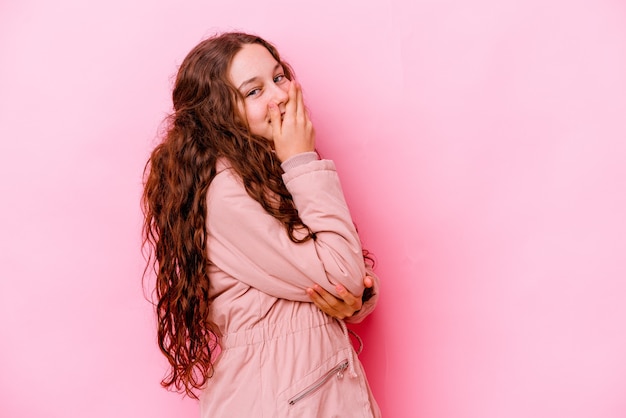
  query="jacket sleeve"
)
[
  {"x": 368, "y": 306},
  {"x": 252, "y": 246}
]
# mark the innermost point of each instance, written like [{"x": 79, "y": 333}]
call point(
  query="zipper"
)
[{"x": 338, "y": 369}]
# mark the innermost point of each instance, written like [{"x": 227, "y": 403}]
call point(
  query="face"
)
[{"x": 261, "y": 80}]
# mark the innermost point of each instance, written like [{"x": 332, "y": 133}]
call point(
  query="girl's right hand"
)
[
  {"x": 340, "y": 308},
  {"x": 292, "y": 131}
]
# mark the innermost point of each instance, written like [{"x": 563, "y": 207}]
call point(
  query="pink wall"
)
[{"x": 482, "y": 146}]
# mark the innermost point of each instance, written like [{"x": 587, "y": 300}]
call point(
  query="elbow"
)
[{"x": 351, "y": 277}]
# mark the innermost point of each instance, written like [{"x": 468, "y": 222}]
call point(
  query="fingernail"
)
[{"x": 340, "y": 288}]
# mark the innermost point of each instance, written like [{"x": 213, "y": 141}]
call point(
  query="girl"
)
[{"x": 253, "y": 244}]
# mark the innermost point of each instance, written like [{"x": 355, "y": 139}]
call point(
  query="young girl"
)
[{"x": 253, "y": 245}]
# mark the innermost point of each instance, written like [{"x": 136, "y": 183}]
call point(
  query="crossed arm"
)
[{"x": 351, "y": 308}]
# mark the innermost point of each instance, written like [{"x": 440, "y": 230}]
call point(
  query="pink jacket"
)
[{"x": 281, "y": 356}]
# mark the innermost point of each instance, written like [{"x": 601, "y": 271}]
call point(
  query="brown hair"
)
[{"x": 204, "y": 126}]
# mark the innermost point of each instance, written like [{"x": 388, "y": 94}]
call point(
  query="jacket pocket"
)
[
  {"x": 335, "y": 372},
  {"x": 325, "y": 392}
]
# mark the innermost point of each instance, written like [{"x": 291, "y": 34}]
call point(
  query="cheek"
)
[
  {"x": 285, "y": 86},
  {"x": 257, "y": 113}
]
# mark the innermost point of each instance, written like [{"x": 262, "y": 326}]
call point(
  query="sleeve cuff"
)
[{"x": 298, "y": 160}]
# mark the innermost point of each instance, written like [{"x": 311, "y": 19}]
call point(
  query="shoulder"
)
[
  {"x": 225, "y": 183},
  {"x": 222, "y": 165}
]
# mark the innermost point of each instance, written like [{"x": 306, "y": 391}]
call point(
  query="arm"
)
[
  {"x": 349, "y": 307},
  {"x": 252, "y": 246},
  {"x": 368, "y": 306}
]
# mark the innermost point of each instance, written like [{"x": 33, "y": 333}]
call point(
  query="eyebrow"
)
[{"x": 253, "y": 79}]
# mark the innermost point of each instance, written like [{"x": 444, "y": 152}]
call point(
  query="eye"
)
[
  {"x": 253, "y": 92},
  {"x": 279, "y": 78}
]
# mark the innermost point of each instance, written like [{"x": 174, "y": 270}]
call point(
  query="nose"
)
[{"x": 280, "y": 94}]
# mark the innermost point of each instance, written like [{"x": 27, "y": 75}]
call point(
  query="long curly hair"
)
[{"x": 205, "y": 125}]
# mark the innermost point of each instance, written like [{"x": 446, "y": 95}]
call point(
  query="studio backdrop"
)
[{"x": 481, "y": 145}]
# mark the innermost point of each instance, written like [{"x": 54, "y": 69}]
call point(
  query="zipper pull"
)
[{"x": 343, "y": 367}]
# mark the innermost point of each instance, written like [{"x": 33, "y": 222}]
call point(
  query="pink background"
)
[{"x": 482, "y": 146}]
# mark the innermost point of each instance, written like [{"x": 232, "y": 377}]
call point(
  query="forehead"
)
[{"x": 252, "y": 60}]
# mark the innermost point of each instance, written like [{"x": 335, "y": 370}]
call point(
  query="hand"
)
[
  {"x": 293, "y": 131},
  {"x": 340, "y": 308}
]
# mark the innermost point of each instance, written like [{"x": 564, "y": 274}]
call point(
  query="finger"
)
[
  {"x": 330, "y": 299},
  {"x": 300, "y": 110},
  {"x": 315, "y": 297},
  {"x": 321, "y": 303},
  {"x": 291, "y": 107},
  {"x": 275, "y": 121},
  {"x": 349, "y": 299},
  {"x": 341, "y": 308},
  {"x": 368, "y": 282}
]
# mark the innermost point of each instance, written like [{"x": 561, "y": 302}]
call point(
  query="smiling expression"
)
[{"x": 261, "y": 80}]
